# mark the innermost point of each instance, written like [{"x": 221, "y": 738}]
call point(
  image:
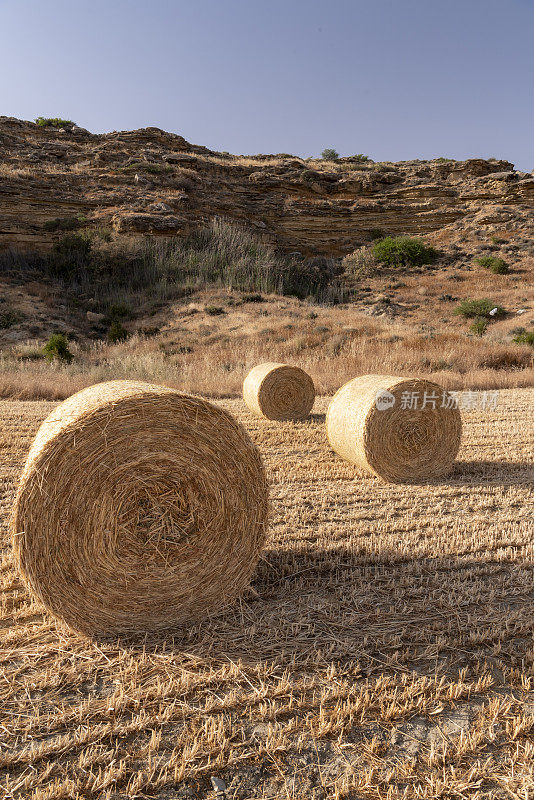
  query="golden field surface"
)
[{"x": 384, "y": 649}]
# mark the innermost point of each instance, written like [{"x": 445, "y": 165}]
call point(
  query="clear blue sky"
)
[{"x": 394, "y": 79}]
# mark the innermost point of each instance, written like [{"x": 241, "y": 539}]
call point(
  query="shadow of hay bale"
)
[{"x": 389, "y": 614}]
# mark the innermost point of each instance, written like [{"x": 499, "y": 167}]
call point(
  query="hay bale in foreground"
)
[
  {"x": 139, "y": 509},
  {"x": 403, "y": 430},
  {"x": 279, "y": 391}
]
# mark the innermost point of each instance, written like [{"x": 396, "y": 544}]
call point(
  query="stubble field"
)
[{"x": 384, "y": 649}]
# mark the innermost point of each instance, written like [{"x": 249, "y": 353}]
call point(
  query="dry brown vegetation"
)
[
  {"x": 384, "y": 649},
  {"x": 210, "y": 355}
]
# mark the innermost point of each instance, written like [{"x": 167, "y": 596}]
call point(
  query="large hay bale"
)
[
  {"x": 139, "y": 509},
  {"x": 401, "y": 429},
  {"x": 279, "y": 391}
]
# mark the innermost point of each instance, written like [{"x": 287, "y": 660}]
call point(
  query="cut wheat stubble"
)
[
  {"x": 139, "y": 509},
  {"x": 370, "y": 422},
  {"x": 279, "y": 391}
]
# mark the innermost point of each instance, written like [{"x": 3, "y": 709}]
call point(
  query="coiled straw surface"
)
[
  {"x": 139, "y": 509},
  {"x": 410, "y": 433},
  {"x": 279, "y": 391}
]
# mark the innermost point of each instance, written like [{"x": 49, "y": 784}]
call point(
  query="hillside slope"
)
[{"x": 165, "y": 219}]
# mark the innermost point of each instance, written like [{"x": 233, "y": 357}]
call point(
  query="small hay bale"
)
[
  {"x": 278, "y": 391},
  {"x": 139, "y": 509},
  {"x": 372, "y": 422}
]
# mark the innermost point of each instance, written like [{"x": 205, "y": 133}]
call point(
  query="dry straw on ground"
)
[
  {"x": 279, "y": 391},
  {"x": 139, "y": 509},
  {"x": 399, "y": 429},
  {"x": 385, "y": 652}
]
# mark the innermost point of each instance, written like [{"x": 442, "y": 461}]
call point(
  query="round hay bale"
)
[
  {"x": 401, "y": 429},
  {"x": 139, "y": 509},
  {"x": 278, "y": 391}
]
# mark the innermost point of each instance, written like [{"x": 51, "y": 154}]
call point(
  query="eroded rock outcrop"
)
[{"x": 153, "y": 182}]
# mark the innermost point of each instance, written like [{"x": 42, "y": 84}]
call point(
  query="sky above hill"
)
[{"x": 393, "y": 79}]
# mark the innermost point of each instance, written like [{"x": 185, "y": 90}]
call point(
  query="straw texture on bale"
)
[
  {"x": 402, "y": 430},
  {"x": 139, "y": 509},
  {"x": 279, "y": 391}
]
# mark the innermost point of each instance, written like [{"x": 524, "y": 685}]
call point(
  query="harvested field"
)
[{"x": 384, "y": 650}]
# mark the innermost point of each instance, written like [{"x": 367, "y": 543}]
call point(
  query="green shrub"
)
[
  {"x": 57, "y": 348},
  {"x": 525, "y": 338},
  {"x": 479, "y": 326},
  {"x": 496, "y": 265},
  {"x": 500, "y": 268},
  {"x": 69, "y": 255},
  {"x": 53, "y": 122},
  {"x": 479, "y": 308},
  {"x": 442, "y": 160},
  {"x": 117, "y": 332},
  {"x": 329, "y": 154},
  {"x": 214, "y": 311},
  {"x": 403, "y": 251},
  {"x": 360, "y": 158},
  {"x": 64, "y": 223}
]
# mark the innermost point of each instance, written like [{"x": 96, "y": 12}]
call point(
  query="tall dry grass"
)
[
  {"x": 150, "y": 271},
  {"x": 217, "y": 366}
]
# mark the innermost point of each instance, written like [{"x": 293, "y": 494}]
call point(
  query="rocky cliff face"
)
[{"x": 149, "y": 181}]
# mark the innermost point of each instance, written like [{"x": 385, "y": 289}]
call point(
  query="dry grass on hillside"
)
[
  {"x": 384, "y": 650},
  {"x": 198, "y": 351},
  {"x": 207, "y": 360}
]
